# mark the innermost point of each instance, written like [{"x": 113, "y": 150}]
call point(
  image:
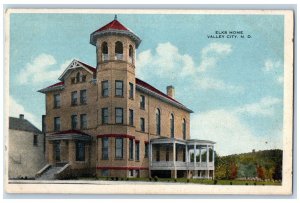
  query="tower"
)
[{"x": 115, "y": 49}]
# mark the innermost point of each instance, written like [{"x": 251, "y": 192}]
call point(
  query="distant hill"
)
[{"x": 262, "y": 165}]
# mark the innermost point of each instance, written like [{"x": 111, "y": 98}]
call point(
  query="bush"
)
[
  {"x": 215, "y": 182},
  {"x": 187, "y": 180},
  {"x": 150, "y": 179},
  {"x": 254, "y": 183},
  {"x": 246, "y": 184},
  {"x": 155, "y": 178},
  {"x": 117, "y": 178},
  {"x": 175, "y": 180},
  {"x": 112, "y": 178},
  {"x": 230, "y": 183}
]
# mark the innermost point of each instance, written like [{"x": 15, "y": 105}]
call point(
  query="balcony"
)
[
  {"x": 105, "y": 57},
  {"x": 119, "y": 56},
  {"x": 181, "y": 165}
]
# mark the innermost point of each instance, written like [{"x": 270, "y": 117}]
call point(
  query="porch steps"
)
[{"x": 49, "y": 174}]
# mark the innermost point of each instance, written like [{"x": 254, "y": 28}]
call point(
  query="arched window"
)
[
  {"x": 157, "y": 112},
  {"x": 118, "y": 50},
  {"x": 104, "y": 48},
  {"x": 131, "y": 53},
  {"x": 184, "y": 129},
  {"x": 172, "y": 125}
]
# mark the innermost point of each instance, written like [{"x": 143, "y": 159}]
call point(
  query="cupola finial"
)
[{"x": 116, "y": 17}]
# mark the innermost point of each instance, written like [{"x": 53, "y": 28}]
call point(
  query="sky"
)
[{"x": 233, "y": 85}]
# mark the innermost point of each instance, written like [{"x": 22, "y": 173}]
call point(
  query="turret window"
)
[
  {"x": 131, "y": 54},
  {"x": 119, "y": 115},
  {"x": 74, "y": 121},
  {"x": 119, "y": 88},
  {"x": 119, "y": 50},
  {"x": 104, "y": 51},
  {"x": 157, "y": 122},
  {"x": 184, "y": 129},
  {"x": 104, "y": 88}
]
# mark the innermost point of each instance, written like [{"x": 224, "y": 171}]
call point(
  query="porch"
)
[{"x": 194, "y": 157}]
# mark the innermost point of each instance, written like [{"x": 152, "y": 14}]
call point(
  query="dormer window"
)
[{"x": 78, "y": 77}]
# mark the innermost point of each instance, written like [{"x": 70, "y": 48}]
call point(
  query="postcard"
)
[{"x": 149, "y": 101}]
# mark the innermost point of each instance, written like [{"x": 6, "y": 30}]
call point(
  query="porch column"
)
[
  {"x": 186, "y": 153},
  {"x": 213, "y": 155},
  {"x": 194, "y": 159},
  {"x": 200, "y": 155},
  {"x": 174, "y": 159},
  {"x": 207, "y": 161},
  {"x": 72, "y": 151}
]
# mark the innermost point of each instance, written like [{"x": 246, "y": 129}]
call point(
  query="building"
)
[
  {"x": 107, "y": 122},
  {"x": 25, "y": 149}
]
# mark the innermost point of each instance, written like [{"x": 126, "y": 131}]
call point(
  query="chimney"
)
[
  {"x": 21, "y": 116},
  {"x": 171, "y": 91}
]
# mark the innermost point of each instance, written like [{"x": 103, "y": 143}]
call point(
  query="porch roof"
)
[
  {"x": 165, "y": 140},
  {"x": 69, "y": 135}
]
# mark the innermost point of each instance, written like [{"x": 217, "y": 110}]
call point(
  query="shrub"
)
[
  {"x": 246, "y": 184},
  {"x": 112, "y": 178},
  {"x": 155, "y": 178},
  {"x": 117, "y": 178},
  {"x": 175, "y": 180},
  {"x": 187, "y": 180},
  {"x": 230, "y": 183},
  {"x": 150, "y": 179},
  {"x": 215, "y": 182},
  {"x": 254, "y": 183}
]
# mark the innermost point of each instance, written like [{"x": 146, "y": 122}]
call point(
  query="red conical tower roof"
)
[{"x": 114, "y": 28}]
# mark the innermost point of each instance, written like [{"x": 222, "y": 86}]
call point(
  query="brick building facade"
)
[{"x": 105, "y": 121}]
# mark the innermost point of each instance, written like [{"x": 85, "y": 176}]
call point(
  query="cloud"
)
[
  {"x": 265, "y": 107},
  {"x": 231, "y": 135},
  {"x": 41, "y": 69},
  {"x": 215, "y": 84},
  {"x": 168, "y": 63},
  {"x": 212, "y": 53},
  {"x": 15, "y": 109},
  {"x": 274, "y": 68}
]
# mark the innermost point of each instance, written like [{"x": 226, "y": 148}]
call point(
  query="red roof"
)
[
  {"x": 56, "y": 84},
  {"x": 113, "y": 25},
  {"x": 153, "y": 89},
  {"x": 89, "y": 67},
  {"x": 70, "y": 132}
]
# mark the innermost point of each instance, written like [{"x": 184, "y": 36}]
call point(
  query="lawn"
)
[{"x": 196, "y": 181}]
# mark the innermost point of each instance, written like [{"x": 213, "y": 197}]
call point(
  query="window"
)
[
  {"x": 56, "y": 100},
  {"x": 146, "y": 150},
  {"x": 83, "y": 78},
  {"x": 130, "y": 90},
  {"x": 157, "y": 121},
  {"x": 105, "y": 172},
  {"x": 57, "y": 124},
  {"x": 172, "y": 125},
  {"x": 74, "y": 98},
  {"x": 119, "y": 88},
  {"x": 137, "y": 151},
  {"x": 167, "y": 154},
  {"x": 83, "y": 97},
  {"x": 142, "y": 102},
  {"x": 35, "y": 140},
  {"x": 184, "y": 129},
  {"x": 104, "y": 51},
  {"x": 104, "y": 88},
  {"x": 119, "y": 148},
  {"x": 83, "y": 121},
  {"x": 73, "y": 80},
  {"x": 130, "y": 54},
  {"x": 142, "y": 124},
  {"x": 74, "y": 121},
  {"x": 104, "y": 115},
  {"x": 119, "y": 115},
  {"x": 78, "y": 77},
  {"x": 118, "y": 50},
  {"x": 157, "y": 153},
  {"x": 80, "y": 151},
  {"x": 131, "y": 149},
  {"x": 105, "y": 145},
  {"x": 131, "y": 117}
]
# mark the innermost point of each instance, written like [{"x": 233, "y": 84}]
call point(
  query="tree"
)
[
  {"x": 234, "y": 171},
  {"x": 261, "y": 172},
  {"x": 277, "y": 175}
]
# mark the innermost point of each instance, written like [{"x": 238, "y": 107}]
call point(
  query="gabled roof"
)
[
  {"x": 74, "y": 65},
  {"x": 114, "y": 28},
  {"x": 22, "y": 125}
]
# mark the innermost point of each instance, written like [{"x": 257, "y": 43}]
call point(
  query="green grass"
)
[{"x": 199, "y": 181}]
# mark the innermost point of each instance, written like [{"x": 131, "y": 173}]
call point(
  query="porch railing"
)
[{"x": 182, "y": 164}]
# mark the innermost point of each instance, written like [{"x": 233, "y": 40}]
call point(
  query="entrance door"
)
[{"x": 57, "y": 150}]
